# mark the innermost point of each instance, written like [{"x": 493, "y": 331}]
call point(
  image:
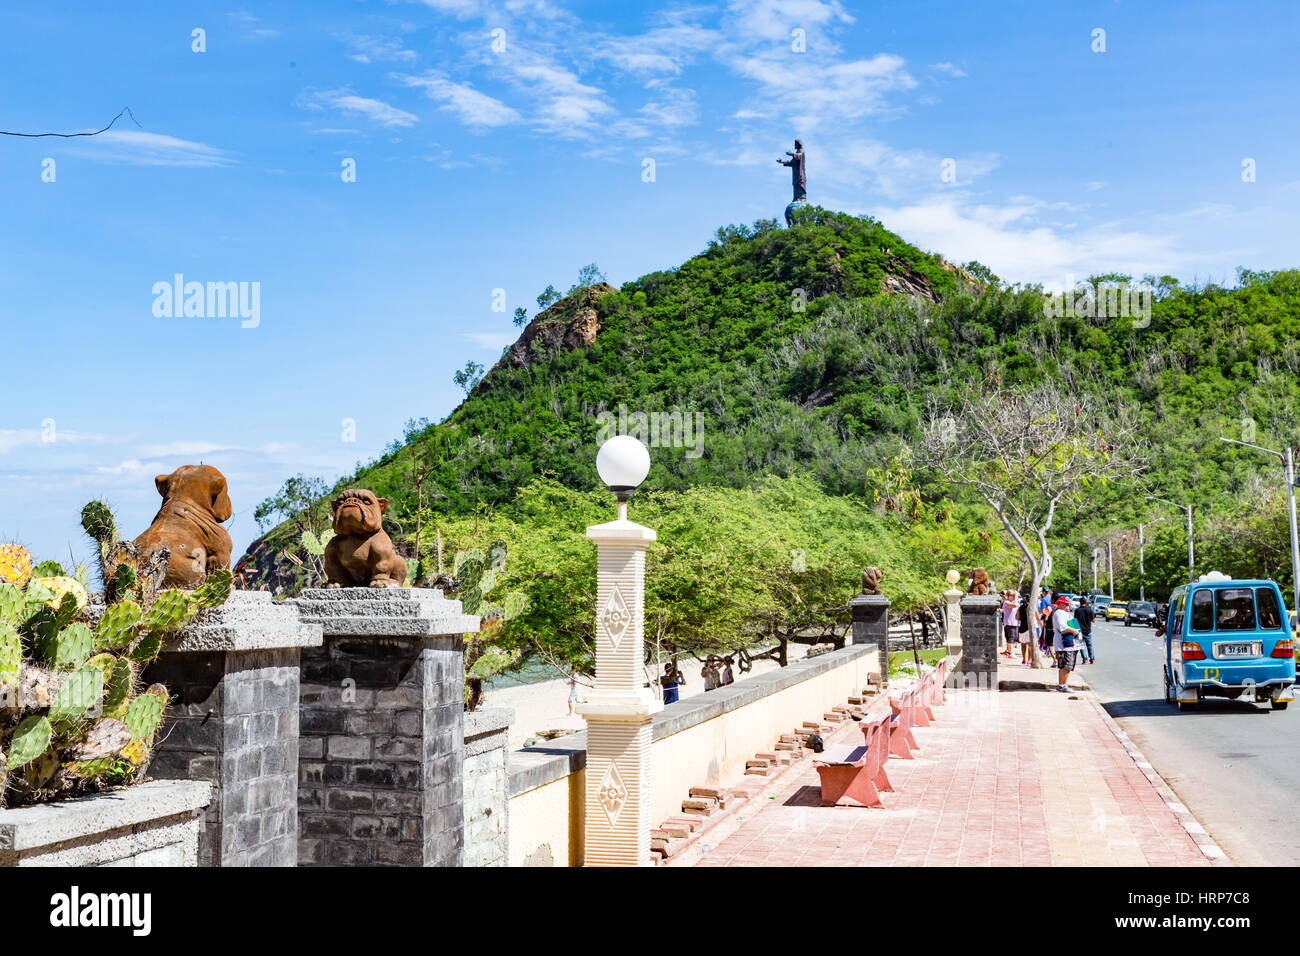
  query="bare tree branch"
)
[{"x": 125, "y": 109}]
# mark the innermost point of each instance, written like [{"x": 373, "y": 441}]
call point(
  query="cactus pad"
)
[
  {"x": 79, "y": 692},
  {"x": 149, "y": 647},
  {"x": 215, "y": 590},
  {"x": 15, "y": 564},
  {"x": 470, "y": 601},
  {"x": 496, "y": 555},
  {"x": 145, "y": 714},
  {"x": 72, "y": 646},
  {"x": 515, "y": 603},
  {"x": 97, "y": 521},
  {"x": 470, "y": 572},
  {"x": 11, "y": 604},
  {"x": 11, "y": 657},
  {"x": 487, "y": 582},
  {"x": 171, "y": 610},
  {"x": 49, "y": 569},
  {"x": 124, "y": 578},
  {"x": 117, "y": 626},
  {"x": 118, "y": 684},
  {"x": 29, "y": 741}
]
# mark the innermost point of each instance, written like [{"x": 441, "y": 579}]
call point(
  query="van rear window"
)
[
  {"x": 1203, "y": 611},
  {"x": 1234, "y": 609},
  {"x": 1270, "y": 615}
]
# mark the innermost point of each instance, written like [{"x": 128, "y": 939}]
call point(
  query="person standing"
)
[
  {"x": 1064, "y": 643},
  {"x": 573, "y": 690},
  {"x": 1084, "y": 615},
  {"x": 1010, "y": 622},
  {"x": 709, "y": 673},
  {"x": 671, "y": 680},
  {"x": 1025, "y": 616},
  {"x": 725, "y": 677}
]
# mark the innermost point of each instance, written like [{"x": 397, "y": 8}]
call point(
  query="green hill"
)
[{"x": 812, "y": 350}]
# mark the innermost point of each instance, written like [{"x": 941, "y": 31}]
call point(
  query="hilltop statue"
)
[
  {"x": 871, "y": 579},
  {"x": 798, "y": 179}
]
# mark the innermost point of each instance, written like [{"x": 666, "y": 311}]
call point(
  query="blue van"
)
[{"x": 1226, "y": 638}]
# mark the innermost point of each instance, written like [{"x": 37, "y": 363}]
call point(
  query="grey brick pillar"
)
[
  {"x": 487, "y": 804},
  {"x": 979, "y": 640},
  {"x": 382, "y": 753},
  {"x": 871, "y": 626},
  {"x": 233, "y": 722}
]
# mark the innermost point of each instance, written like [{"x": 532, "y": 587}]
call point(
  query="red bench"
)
[
  {"x": 903, "y": 706},
  {"x": 854, "y": 776}
]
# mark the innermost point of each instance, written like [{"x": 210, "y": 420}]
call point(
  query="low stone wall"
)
[
  {"x": 487, "y": 806},
  {"x": 152, "y": 824},
  {"x": 701, "y": 740}
]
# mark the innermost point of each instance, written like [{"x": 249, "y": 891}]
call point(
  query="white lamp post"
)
[{"x": 620, "y": 707}]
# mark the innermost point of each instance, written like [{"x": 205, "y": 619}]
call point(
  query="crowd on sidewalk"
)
[{"x": 1066, "y": 637}]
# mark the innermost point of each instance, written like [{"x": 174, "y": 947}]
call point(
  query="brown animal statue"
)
[
  {"x": 979, "y": 581},
  {"x": 188, "y": 525},
  {"x": 361, "y": 554},
  {"x": 871, "y": 579}
]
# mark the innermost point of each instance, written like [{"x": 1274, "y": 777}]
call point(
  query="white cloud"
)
[
  {"x": 950, "y": 68},
  {"x": 152, "y": 149},
  {"x": 366, "y": 49},
  {"x": 349, "y": 103},
  {"x": 495, "y": 341},
  {"x": 472, "y": 107}
]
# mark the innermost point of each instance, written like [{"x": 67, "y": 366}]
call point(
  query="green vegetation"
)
[
  {"x": 903, "y": 663},
  {"x": 811, "y": 355}
]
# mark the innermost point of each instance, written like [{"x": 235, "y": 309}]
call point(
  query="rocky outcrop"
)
[{"x": 571, "y": 323}]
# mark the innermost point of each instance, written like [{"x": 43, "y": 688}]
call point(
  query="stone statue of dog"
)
[
  {"x": 361, "y": 554},
  {"x": 871, "y": 578},
  {"x": 188, "y": 525}
]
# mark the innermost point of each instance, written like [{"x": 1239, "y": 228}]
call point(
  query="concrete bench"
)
[
  {"x": 854, "y": 776},
  {"x": 903, "y": 707}
]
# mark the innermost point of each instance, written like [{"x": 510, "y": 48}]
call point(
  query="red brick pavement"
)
[{"x": 1003, "y": 778}]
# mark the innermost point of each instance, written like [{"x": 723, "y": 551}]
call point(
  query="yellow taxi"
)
[{"x": 1115, "y": 610}]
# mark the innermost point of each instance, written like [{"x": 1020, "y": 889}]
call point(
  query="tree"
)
[
  {"x": 469, "y": 376},
  {"x": 1027, "y": 452},
  {"x": 521, "y": 316},
  {"x": 548, "y": 296},
  {"x": 588, "y": 275},
  {"x": 300, "y": 500}
]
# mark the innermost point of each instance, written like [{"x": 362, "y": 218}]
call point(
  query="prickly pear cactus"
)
[
  {"x": 215, "y": 590},
  {"x": 71, "y": 720},
  {"x": 170, "y": 611}
]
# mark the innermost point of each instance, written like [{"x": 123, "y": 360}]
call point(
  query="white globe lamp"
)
[{"x": 623, "y": 462}]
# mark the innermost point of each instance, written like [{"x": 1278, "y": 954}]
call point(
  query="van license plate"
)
[{"x": 1239, "y": 649}]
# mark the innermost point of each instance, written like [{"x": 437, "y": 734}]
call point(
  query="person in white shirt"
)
[{"x": 1064, "y": 642}]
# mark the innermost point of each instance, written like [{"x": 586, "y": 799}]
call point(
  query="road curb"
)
[{"x": 1200, "y": 836}]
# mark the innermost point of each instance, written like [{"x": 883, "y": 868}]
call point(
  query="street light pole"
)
[
  {"x": 1191, "y": 559},
  {"x": 1142, "y": 586},
  {"x": 1110, "y": 569},
  {"x": 1288, "y": 461}
]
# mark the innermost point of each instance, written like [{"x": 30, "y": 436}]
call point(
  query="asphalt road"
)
[{"x": 1235, "y": 765}]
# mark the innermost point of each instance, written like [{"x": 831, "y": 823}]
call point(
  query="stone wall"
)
[
  {"x": 979, "y": 639},
  {"x": 233, "y": 722},
  {"x": 151, "y": 824},
  {"x": 700, "y": 740},
  {"x": 487, "y": 805}
]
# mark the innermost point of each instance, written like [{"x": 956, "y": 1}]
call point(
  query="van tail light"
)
[
  {"x": 1192, "y": 651},
  {"x": 1284, "y": 648}
]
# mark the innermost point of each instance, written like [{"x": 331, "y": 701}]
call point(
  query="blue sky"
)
[{"x": 507, "y": 160}]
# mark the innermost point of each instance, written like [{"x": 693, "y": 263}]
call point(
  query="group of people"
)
[
  {"x": 1067, "y": 637},
  {"x": 715, "y": 673}
]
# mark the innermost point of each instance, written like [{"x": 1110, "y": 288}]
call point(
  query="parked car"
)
[
  {"x": 1115, "y": 610},
  {"x": 1140, "y": 612},
  {"x": 1229, "y": 638},
  {"x": 1100, "y": 603}
]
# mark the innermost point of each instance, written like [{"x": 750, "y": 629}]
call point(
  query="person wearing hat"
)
[{"x": 1063, "y": 642}]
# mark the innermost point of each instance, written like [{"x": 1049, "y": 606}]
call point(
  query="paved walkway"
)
[{"x": 1029, "y": 777}]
